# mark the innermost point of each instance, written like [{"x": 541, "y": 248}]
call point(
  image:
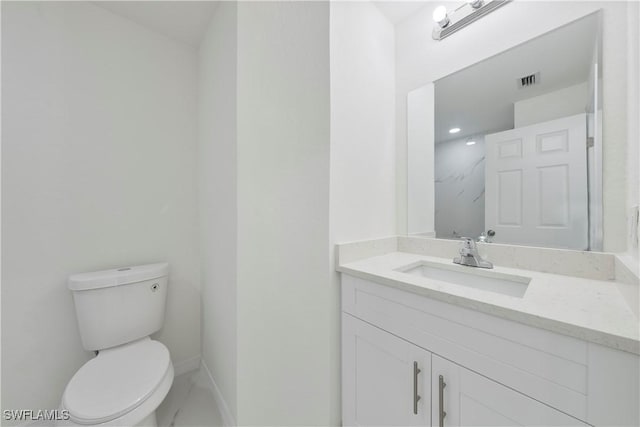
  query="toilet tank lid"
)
[{"x": 117, "y": 276}]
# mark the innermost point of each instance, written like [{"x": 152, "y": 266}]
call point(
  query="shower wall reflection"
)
[{"x": 459, "y": 187}]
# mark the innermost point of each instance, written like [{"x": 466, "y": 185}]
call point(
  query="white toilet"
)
[{"x": 117, "y": 310}]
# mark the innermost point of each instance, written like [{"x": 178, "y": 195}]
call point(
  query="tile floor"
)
[{"x": 189, "y": 403}]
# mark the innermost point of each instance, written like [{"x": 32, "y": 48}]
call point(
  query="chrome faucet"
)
[{"x": 469, "y": 255}]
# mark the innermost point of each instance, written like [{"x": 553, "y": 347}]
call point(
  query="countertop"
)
[{"x": 588, "y": 309}]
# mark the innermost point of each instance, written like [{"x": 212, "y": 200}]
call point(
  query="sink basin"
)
[{"x": 486, "y": 280}]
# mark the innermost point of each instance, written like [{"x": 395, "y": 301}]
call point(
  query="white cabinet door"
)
[
  {"x": 470, "y": 399},
  {"x": 536, "y": 184},
  {"x": 382, "y": 378}
]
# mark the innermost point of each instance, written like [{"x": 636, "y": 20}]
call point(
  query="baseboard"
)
[
  {"x": 185, "y": 366},
  {"x": 228, "y": 419}
]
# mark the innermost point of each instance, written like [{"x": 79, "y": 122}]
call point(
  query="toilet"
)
[{"x": 117, "y": 311}]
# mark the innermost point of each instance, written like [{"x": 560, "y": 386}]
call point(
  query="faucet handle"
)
[
  {"x": 469, "y": 254},
  {"x": 468, "y": 246},
  {"x": 468, "y": 242}
]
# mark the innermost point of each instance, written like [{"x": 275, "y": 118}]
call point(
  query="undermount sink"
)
[{"x": 500, "y": 283}]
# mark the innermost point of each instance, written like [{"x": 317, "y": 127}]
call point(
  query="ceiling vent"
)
[{"x": 530, "y": 80}]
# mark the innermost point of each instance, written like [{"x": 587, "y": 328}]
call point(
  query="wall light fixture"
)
[
  {"x": 448, "y": 22},
  {"x": 440, "y": 16}
]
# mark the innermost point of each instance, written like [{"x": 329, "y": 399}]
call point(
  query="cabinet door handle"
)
[
  {"x": 442, "y": 414},
  {"x": 416, "y": 396}
]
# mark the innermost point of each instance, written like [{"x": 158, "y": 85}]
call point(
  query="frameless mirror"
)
[{"x": 516, "y": 145}]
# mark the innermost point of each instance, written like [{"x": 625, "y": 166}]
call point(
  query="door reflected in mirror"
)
[{"x": 517, "y": 145}]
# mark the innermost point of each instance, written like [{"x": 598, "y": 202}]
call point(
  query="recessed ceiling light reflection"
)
[
  {"x": 470, "y": 142},
  {"x": 454, "y": 130}
]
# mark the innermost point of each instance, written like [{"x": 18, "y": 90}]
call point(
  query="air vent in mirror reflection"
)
[{"x": 530, "y": 80}]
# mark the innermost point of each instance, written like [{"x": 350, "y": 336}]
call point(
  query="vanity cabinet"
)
[
  {"x": 397, "y": 345},
  {"x": 387, "y": 380},
  {"x": 470, "y": 399}
]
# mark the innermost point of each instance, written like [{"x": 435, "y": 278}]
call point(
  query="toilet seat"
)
[{"x": 116, "y": 382}]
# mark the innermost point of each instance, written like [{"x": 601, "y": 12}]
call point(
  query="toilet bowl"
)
[
  {"x": 117, "y": 311},
  {"x": 121, "y": 386}
]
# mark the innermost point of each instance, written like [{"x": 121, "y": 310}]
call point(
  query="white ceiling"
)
[
  {"x": 185, "y": 21},
  {"x": 479, "y": 99}
]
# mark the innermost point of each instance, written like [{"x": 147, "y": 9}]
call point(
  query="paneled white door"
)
[
  {"x": 470, "y": 399},
  {"x": 382, "y": 378},
  {"x": 536, "y": 184}
]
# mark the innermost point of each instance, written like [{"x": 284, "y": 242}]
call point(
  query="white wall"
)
[
  {"x": 278, "y": 253},
  {"x": 271, "y": 267},
  {"x": 284, "y": 295},
  {"x": 633, "y": 155},
  {"x": 362, "y": 122},
  {"x": 564, "y": 102},
  {"x": 217, "y": 194},
  {"x": 421, "y": 60},
  {"x": 98, "y": 159},
  {"x": 362, "y": 197},
  {"x": 421, "y": 174}
]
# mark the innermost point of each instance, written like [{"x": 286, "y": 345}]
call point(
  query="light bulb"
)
[{"x": 440, "y": 16}]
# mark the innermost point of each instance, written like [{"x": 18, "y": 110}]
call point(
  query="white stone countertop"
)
[{"x": 592, "y": 310}]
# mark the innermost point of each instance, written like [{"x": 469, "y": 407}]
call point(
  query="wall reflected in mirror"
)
[
  {"x": 459, "y": 187},
  {"x": 516, "y": 145}
]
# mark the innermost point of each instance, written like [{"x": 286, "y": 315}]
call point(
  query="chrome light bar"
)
[{"x": 463, "y": 16}]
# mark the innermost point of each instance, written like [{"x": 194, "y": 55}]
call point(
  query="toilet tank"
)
[{"x": 118, "y": 306}]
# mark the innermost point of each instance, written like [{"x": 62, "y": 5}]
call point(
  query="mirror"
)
[{"x": 516, "y": 145}]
